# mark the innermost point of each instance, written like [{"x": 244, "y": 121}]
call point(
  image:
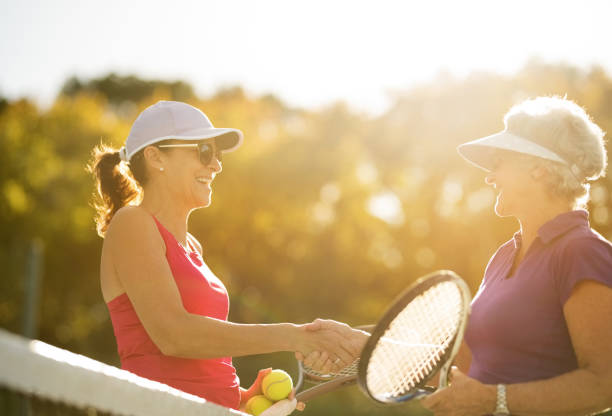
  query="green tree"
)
[{"x": 295, "y": 229}]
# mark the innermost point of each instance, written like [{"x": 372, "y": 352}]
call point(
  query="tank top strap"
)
[
  {"x": 162, "y": 230},
  {"x": 172, "y": 243}
]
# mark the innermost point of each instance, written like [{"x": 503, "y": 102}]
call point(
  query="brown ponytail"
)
[{"x": 115, "y": 184}]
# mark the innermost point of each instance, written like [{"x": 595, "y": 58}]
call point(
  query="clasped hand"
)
[
  {"x": 464, "y": 396},
  {"x": 331, "y": 345}
]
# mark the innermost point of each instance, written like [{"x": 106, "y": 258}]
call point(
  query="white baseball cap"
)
[
  {"x": 176, "y": 120},
  {"x": 481, "y": 152}
]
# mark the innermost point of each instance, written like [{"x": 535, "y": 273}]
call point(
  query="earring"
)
[{"x": 161, "y": 169}]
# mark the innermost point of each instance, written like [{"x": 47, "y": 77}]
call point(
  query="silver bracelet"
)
[{"x": 501, "y": 408}]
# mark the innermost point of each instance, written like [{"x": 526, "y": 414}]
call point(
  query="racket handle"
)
[
  {"x": 423, "y": 391},
  {"x": 443, "y": 382}
]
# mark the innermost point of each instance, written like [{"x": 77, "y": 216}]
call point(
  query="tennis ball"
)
[
  {"x": 257, "y": 404},
  {"x": 277, "y": 385}
]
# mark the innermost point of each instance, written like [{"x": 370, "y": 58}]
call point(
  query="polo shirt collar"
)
[
  {"x": 562, "y": 223},
  {"x": 558, "y": 226}
]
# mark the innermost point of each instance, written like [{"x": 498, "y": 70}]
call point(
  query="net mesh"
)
[
  {"x": 415, "y": 342},
  {"x": 39, "y": 379}
]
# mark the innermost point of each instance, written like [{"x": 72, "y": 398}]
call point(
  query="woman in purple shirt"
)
[{"x": 539, "y": 340}]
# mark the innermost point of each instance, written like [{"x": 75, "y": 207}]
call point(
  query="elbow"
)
[
  {"x": 603, "y": 390},
  {"x": 606, "y": 389},
  {"x": 167, "y": 344},
  {"x": 605, "y": 404},
  {"x": 168, "y": 348},
  {"x": 168, "y": 339},
  {"x": 608, "y": 397},
  {"x": 176, "y": 347},
  {"x": 180, "y": 336}
]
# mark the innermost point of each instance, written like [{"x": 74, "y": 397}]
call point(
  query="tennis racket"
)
[{"x": 418, "y": 336}]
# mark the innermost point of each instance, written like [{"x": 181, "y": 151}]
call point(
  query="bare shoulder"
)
[
  {"x": 130, "y": 216},
  {"x": 133, "y": 225}
]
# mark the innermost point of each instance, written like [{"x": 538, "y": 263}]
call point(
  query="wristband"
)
[{"x": 501, "y": 408}]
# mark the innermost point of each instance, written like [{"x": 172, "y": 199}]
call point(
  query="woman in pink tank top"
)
[{"x": 168, "y": 309}]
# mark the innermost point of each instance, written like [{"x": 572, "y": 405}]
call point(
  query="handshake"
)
[
  {"x": 324, "y": 345},
  {"x": 328, "y": 346}
]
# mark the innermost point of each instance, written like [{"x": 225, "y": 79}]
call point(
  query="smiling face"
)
[
  {"x": 184, "y": 177},
  {"x": 514, "y": 179}
]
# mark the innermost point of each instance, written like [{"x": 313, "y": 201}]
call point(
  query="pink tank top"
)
[{"x": 202, "y": 293}]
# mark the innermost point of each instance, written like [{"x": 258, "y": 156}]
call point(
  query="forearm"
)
[
  {"x": 196, "y": 336},
  {"x": 578, "y": 392}
]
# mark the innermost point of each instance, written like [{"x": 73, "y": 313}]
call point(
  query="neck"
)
[
  {"x": 538, "y": 215},
  {"x": 173, "y": 216}
]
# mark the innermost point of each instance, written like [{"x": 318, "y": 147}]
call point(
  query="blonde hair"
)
[{"x": 564, "y": 127}]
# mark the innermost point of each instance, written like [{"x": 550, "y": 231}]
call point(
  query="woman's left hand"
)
[
  {"x": 280, "y": 408},
  {"x": 465, "y": 396},
  {"x": 255, "y": 388}
]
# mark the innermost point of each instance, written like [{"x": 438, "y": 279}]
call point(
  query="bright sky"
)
[{"x": 309, "y": 53}]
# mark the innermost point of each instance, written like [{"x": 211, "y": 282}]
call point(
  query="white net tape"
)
[
  {"x": 41, "y": 370},
  {"x": 415, "y": 341}
]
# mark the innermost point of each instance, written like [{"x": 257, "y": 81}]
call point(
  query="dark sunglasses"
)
[{"x": 205, "y": 150}]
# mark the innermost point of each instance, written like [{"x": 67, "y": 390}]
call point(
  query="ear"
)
[{"x": 154, "y": 157}]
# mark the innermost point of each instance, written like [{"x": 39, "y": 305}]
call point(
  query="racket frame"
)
[{"x": 417, "y": 288}]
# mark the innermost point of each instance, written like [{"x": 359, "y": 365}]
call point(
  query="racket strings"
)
[
  {"x": 413, "y": 364},
  {"x": 415, "y": 342},
  {"x": 424, "y": 359}
]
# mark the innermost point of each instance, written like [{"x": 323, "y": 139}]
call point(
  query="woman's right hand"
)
[{"x": 328, "y": 345}]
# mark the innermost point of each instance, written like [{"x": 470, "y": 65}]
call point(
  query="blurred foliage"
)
[
  {"x": 125, "y": 92},
  {"x": 324, "y": 213}
]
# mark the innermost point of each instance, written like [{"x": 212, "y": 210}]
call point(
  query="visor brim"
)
[{"x": 482, "y": 152}]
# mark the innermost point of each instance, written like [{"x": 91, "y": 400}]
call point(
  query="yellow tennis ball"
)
[
  {"x": 277, "y": 385},
  {"x": 257, "y": 404}
]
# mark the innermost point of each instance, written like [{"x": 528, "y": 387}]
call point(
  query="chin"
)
[
  {"x": 204, "y": 204},
  {"x": 200, "y": 203},
  {"x": 499, "y": 209},
  {"x": 202, "y": 200},
  {"x": 502, "y": 211}
]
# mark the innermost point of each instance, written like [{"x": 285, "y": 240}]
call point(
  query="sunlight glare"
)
[
  {"x": 366, "y": 173},
  {"x": 330, "y": 193},
  {"x": 323, "y": 214},
  {"x": 387, "y": 207}
]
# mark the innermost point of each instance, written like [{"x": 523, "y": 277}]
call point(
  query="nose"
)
[{"x": 215, "y": 165}]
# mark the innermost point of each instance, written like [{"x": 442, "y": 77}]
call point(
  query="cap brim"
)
[{"x": 482, "y": 152}]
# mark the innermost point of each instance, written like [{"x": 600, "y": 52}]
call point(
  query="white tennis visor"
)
[{"x": 481, "y": 152}]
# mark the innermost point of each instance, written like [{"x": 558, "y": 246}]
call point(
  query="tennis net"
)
[{"x": 45, "y": 380}]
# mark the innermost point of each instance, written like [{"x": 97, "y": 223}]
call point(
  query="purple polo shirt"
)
[{"x": 517, "y": 330}]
